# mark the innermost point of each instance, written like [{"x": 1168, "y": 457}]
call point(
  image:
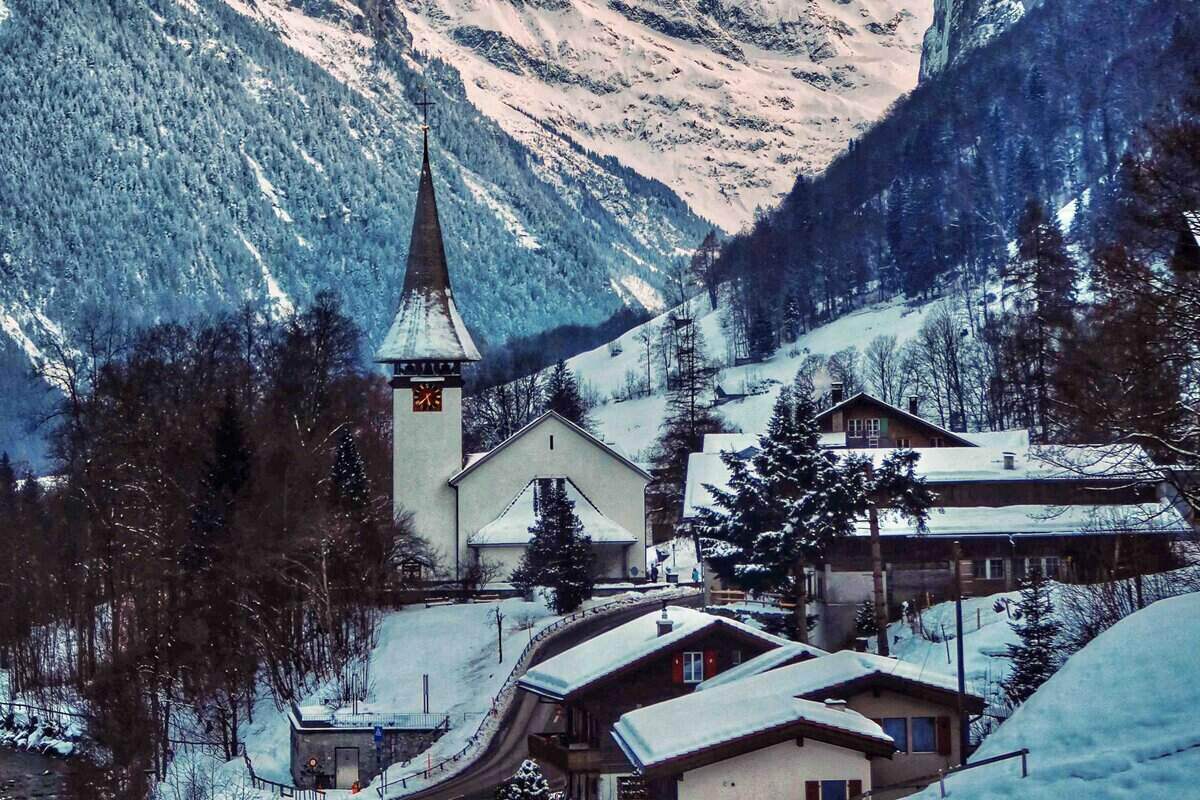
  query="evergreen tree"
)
[
  {"x": 1035, "y": 659},
  {"x": 864, "y": 619},
  {"x": 527, "y": 784},
  {"x": 783, "y": 507},
  {"x": 8, "y": 486},
  {"x": 1043, "y": 278},
  {"x": 560, "y": 554},
  {"x": 564, "y": 398},
  {"x": 349, "y": 489}
]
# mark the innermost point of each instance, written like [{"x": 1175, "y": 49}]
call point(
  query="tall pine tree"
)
[
  {"x": 564, "y": 398},
  {"x": 1035, "y": 659},
  {"x": 560, "y": 554}
]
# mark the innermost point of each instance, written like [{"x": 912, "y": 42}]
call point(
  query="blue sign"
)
[{"x": 378, "y": 734}]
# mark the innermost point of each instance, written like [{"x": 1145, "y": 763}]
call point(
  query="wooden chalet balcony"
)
[{"x": 575, "y": 757}]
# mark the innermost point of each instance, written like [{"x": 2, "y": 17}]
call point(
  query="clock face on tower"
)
[{"x": 427, "y": 397}]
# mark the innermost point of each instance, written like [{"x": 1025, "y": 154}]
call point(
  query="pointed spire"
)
[{"x": 427, "y": 325}]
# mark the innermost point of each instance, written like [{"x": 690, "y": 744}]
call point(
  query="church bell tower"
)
[{"x": 426, "y": 347}]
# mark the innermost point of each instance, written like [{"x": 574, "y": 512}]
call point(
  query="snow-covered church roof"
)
[
  {"x": 427, "y": 326},
  {"x": 513, "y": 524}
]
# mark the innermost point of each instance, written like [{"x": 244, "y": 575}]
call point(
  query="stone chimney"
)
[
  {"x": 665, "y": 623},
  {"x": 835, "y": 704},
  {"x": 837, "y": 392},
  {"x": 1010, "y": 460},
  {"x": 912, "y": 404}
]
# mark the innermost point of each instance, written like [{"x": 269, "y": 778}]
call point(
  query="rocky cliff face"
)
[
  {"x": 723, "y": 101},
  {"x": 960, "y": 26}
]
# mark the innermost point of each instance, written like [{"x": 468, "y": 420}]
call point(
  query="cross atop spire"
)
[{"x": 424, "y": 103}]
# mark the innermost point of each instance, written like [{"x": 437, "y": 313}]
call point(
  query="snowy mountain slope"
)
[
  {"x": 633, "y": 425},
  {"x": 1116, "y": 722},
  {"x": 723, "y": 101},
  {"x": 960, "y": 26},
  {"x": 264, "y": 151}
]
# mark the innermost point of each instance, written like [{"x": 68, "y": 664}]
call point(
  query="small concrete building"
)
[
  {"x": 482, "y": 507},
  {"x": 336, "y": 750}
]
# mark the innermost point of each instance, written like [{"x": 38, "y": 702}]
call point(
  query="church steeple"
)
[{"x": 427, "y": 326}]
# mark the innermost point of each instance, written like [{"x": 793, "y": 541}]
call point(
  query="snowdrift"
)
[{"x": 1117, "y": 721}]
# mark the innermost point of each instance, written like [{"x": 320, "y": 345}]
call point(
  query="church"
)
[{"x": 475, "y": 512}]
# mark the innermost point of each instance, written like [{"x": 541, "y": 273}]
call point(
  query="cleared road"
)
[{"x": 526, "y": 715}]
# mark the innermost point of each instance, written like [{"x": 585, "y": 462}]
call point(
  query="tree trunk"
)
[
  {"x": 881, "y": 616},
  {"x": 801, "y": 596}
]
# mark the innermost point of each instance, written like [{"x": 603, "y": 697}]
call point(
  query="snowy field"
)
[
  {"x": 632, "y": 425},
  {"x": 1118, "y": 720}
]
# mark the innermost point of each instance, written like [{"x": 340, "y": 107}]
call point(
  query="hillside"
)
[
  {"x": 724, "y": 102},
  {"x": 1116, "y": 721},
  {"x": 168, "y": 159},
  {"x": 633, "y": 425}
]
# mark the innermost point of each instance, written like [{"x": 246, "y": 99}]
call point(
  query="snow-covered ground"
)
[
  {"x": 632, "y": 425},
  {"x": 1117, "y": 721}
]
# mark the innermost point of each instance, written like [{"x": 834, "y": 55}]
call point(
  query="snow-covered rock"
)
[
  {"x": 723, "y": 101},
  {"x": 960, "y": 26}
]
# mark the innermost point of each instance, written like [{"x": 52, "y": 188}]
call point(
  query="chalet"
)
[
  {"x": 838, "y": 725},
  {"x": 867, "y": 421},
  {"x": 1078, "y": 513},
  {"x": 650, "y": 659},
  {"x": 475, "y": 513}
]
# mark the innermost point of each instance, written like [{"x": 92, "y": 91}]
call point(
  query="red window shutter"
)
[
  {"x": 855, "y": 789},
  {"x": 943, "y": 736},
  {"x": 677, "y": 668},
  {"x": 812, "y": 790},
  {"x": 710, "y": 664}
]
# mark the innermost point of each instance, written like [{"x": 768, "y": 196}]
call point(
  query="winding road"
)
[{"x": 526, "y": 715}]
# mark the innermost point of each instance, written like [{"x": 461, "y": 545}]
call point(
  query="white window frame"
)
[
  {"x": 904, "y": 443},
  {"x": 873, "y": 427},
  {"x": 855, "y": 428},
  {"x": 693, "y": 666}
]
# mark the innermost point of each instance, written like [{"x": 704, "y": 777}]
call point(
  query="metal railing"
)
[
  {"x": 508, "y": 686},
  {"x": 940, "y": 777},
  {"x": 279, "y": 789}
]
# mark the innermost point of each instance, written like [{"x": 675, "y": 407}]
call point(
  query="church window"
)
[{"x": 551, "y": 441}]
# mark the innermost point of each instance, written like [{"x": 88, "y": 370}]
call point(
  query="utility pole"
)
[
  {"x": 964, "y": 723},
  {"x": 499, "y": 635},
  {"x": 881, "y": 616}
]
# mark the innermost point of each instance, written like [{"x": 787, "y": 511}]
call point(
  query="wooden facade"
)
[
  {"x": 581, "y": 745},
  {"x": 869, "y": 423}
]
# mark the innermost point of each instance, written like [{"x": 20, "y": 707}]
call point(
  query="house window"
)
[
  {"x": 693, "y": 667},
  {"x": 735, "y": 657},
  {"x": 873, "y": 428},
  {"x": 924, "y": 735},
  {"x": 1047, "y": 565},
  {"x": 897, "y": 728},
  {"x": 833, "y": 790},
  {"x": 1050, "y": 566},
  {"x": 854, "y": 427},
  {"x": 937, "y": 441},
  {"x": 996, "y": 569},
  {"x": 903, "y": 442}
]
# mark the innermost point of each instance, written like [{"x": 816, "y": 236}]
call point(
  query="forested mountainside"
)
[
  {"x": 1046, "y": 111},
  {"x": 725, "y": 101},
  {"x": 166, "y": 159}
]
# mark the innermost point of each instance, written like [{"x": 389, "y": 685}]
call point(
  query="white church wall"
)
[
  {"x": 616, "y": 490},
  {"x": 426, "y": 453}
]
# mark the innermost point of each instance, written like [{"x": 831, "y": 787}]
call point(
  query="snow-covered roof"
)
[
  {"x": 622, "y": 647},
  {"x": 741, "y": 442},
  {"x": 1013, "y": 440},
  {"x": 961, "y": 465},
  {"x": 763, "y": 662},
  {"x": 427, "y": 325},
  {"x": 513, "y": 524},
  {"x": 477, "y": 460},
  {"x": 811, "y": 678},
  {"x": 1038, "y": 520},
  {"x": 702, "y": 721}
]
